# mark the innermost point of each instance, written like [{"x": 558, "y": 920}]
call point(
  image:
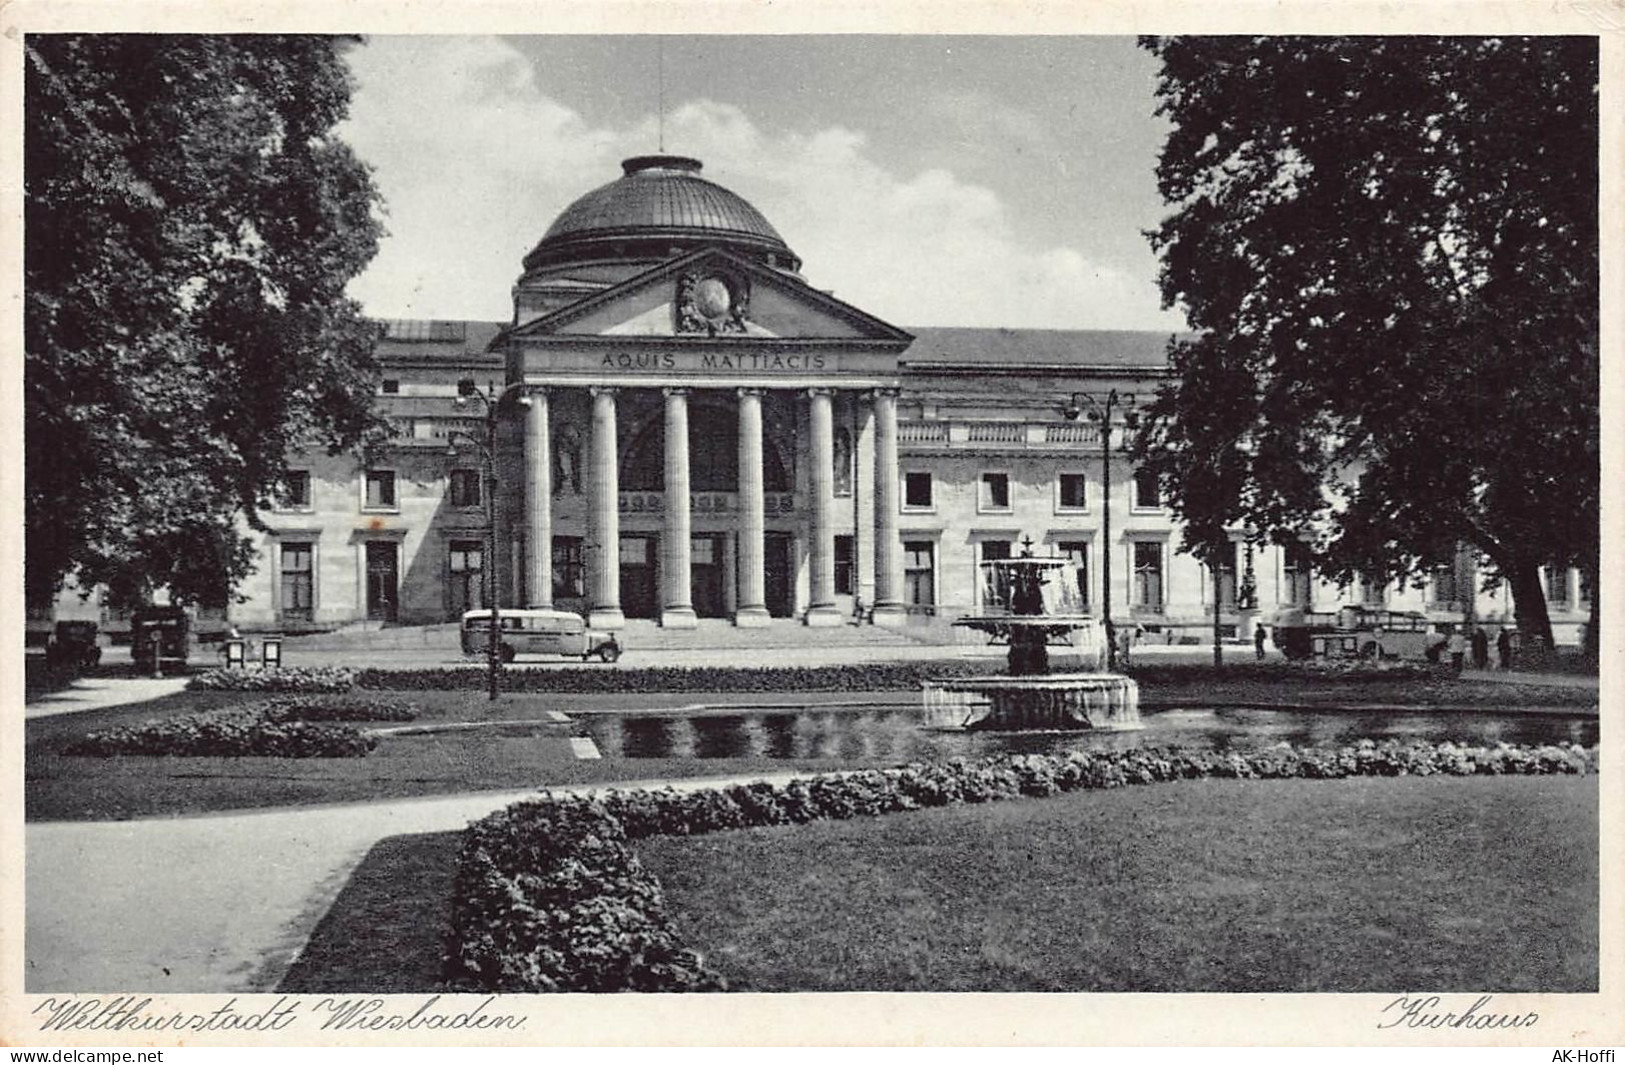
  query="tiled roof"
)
[
  {"x": 437, "y": 337},
  {"x": 1039, "y": 347},
  {"x": 947, "y": 346}
]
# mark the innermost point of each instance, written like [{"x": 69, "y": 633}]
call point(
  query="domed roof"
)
[{"x": 660, "y": 200}]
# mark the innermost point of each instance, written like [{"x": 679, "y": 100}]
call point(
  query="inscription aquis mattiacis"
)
[{"x": 716, "y": 362}]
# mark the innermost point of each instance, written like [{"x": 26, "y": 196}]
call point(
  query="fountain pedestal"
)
[{"x": 1032, "y": 602}]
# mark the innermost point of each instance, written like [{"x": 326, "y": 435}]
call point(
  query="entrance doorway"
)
[
  {"x": 383, "y": 579},
  {"x": 705, "y": 564},
  {"x": 638, "y": 599},
  {"x": 779, "y": 574}
]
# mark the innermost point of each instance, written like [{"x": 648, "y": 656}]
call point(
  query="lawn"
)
[
  {"x": 1458, "y": 884},
  {"x": 59, "y": 787},
  {"x": 1476, "y": 884}
]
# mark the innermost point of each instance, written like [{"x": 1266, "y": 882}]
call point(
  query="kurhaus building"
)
[{"x": 682, "y": 427}]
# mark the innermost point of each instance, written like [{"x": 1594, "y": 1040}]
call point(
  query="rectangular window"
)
[
  {"x": 845, "y": 565},
  {"x": 1585, "y": 587},
  {"x": 1072, "y": 492},
  {"x": 919, "y": 573},
  {"x": 1444, "y": 583},
  {"x": 995, "y": 495},
  {"x": 1296, "y": 569},
  {"x": 295, "y": 493},
  {"x": 1373, "y": 590},
  {"x": 635, "y": 550},
  {"x": 1148, "y": 575},
  {"x": 298, "y": 586},
  {"x": 381, "y": 490},
  {"x": 390, "y": 386},
  {"x": 1147, "y": 490},
  {"x": 569, "y": 568},
  {"x": 1077, "y": 553},
  {"x": 465, "y": 488},
  {"x": 917, "y": 491},
  {"x": 466, "y": 562},
  {"x": 1557, "y": 585},
  {"x": 702, "y": 550},
  {"x": 1226, "y": 579}
]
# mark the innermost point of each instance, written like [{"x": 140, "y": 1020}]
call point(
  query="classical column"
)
[
  {"x": 888, "y": 548},
  {"x": 821, "y": 609},
  {"x": 539, "y": 503},
  {"x": 863, "y": 507},
  {"x": 677, "y": 607},
  {"x": 751, "y": 611},
  {"x": 604, "y": 529}
]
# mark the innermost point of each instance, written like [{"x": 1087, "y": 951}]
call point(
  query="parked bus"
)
[
  {"x": 538, "y": 632},
  {"x": 1357, "y": 631}
]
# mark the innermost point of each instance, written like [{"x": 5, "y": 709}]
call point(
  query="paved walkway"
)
[
  {"x": 218, "y": 903},
  {"x": 100, "y": 693}
]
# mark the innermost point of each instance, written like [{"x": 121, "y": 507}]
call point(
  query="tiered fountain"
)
[{"x": 1028, "y": 603}]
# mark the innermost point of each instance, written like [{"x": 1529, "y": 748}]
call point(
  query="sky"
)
[{"x": 929, "y": 180}]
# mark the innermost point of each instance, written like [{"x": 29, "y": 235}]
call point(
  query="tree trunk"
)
[
  {"x": 1528, "y": 597},
  {"x": 1593, "y": 645},
  {"x": 1218, "y": 650}
]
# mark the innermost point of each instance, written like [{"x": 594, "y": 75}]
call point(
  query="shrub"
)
[
  {"x": 877, "y": 676},
  {"x": 301, "y": 679},
  {"x": 550, "y": 898},
  {"x": 279, "y": 728},
  {"x": 347, "y": 708},
  {"x": 227, "y": 734}
]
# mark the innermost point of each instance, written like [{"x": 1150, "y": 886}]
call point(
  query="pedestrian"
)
[
  {"x": 1503, "y": 648},
  {"x": 1457, "y": 645},
  {"x": 1258, "y": 642},
  {"x": 1481, "y": 648}
]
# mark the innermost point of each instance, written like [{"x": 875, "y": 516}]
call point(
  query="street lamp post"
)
[
  {"x": 491, "y": 399},
  {"x": 1099, "y": 409}
]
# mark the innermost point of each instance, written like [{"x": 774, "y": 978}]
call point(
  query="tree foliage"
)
[
  {"x": 190, "y": 224},
  {"x": 1388, "y": 249}
]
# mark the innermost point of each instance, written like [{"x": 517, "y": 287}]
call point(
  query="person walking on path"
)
[
  {"x": 1258, "y": 642},
  {"x": 1503, "y": 648},
  {"x": 1481, "y": 648}
]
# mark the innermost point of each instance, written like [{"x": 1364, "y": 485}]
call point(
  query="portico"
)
[{"x": 725, "y": 409}]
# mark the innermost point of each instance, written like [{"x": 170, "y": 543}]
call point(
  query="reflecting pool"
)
[{"x": 896, "y": 733}]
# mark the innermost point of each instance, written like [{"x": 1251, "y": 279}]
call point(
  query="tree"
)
[
  {"x": 1388, "y": 250},
  {"x": 190, "y": 224}
]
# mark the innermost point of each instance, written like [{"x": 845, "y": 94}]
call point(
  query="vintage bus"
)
[
  {"x": 538, "y": 632},
  {"x": 1357, "y": 631}
]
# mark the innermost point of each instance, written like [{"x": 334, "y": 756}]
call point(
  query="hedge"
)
[
  {"x": 279, "y": 728},
  {"x": 298, "y": 679},
  {"x": 548, "y": 897},
  {"x": 875, "y": 676}
]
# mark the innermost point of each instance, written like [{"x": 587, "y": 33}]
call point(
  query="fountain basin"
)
[{"x": 1050, "y": 701}]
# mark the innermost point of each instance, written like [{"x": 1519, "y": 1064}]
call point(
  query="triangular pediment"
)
[{"x": 712, "y": 294}]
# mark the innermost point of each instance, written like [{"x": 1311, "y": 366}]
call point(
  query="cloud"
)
[{"x": 475, "y": 162}]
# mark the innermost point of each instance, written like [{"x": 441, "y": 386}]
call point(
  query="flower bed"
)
[
  {"x": 302, "y": 679},
  {"x": 280, "y": 728},
  {"x": 549, "y": 898}
]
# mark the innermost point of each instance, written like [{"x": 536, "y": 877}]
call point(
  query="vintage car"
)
[{"x": 537, "y": 632}]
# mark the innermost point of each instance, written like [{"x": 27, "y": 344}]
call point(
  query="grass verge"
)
[
  {"x": 1449, "y": 884},
  {"x": 1477, "y": 884}
]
